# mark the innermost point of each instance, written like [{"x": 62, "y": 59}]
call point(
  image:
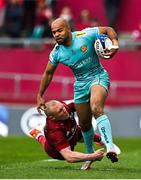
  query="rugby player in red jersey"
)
[{"x": 61, "y": 134}]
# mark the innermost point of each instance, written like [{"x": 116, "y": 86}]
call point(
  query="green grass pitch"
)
[{"x": 23, "y": 158}]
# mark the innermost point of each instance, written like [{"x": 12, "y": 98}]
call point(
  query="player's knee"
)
[
  {"x": 85, "y": 126},
  {"x": 97, "y": 110}
]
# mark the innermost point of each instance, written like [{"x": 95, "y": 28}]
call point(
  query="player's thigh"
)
[
  {"x": 99, "y": 89},
  {"x": 98, "y": 95}
]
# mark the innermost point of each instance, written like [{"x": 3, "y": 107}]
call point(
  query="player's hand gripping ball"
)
[{"x": 103, "y": 45}]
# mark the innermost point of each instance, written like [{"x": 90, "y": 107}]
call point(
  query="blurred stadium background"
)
[{"x": 26, "y": 41}]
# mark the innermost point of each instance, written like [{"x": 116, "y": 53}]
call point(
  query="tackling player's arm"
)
[
  {"x": 113, "y": 36},
  {"x": 45, "y": 81},
  {"x": 60, "y": 143},
  {"x": 74, "y": 156},
  {"x": 59, "y": 140}
]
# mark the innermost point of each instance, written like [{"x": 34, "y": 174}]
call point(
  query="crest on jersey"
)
[{"x": 84, "y": 48}]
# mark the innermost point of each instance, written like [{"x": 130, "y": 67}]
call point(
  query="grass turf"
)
[{"x": 23, "y": 158}]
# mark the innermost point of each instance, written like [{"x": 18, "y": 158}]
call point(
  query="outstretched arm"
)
[
  {"x": 74, "y": 156},
  {"x": 45, "y": 81}
]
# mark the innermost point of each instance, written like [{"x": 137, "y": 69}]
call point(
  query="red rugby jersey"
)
[{"x": 61, "y": 134}]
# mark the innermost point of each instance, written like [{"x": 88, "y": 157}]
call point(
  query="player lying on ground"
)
[{"x": 62, "y": 134}]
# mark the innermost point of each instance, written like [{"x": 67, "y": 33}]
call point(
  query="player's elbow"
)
[
  {"x": 70, "y": 159},
  {"x": 68, "y": 155}
]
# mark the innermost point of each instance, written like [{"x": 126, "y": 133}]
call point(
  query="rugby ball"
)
[{"x": 102, "y": 44}]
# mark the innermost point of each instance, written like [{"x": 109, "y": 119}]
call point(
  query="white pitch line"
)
[{"x": 51, "y": 160}]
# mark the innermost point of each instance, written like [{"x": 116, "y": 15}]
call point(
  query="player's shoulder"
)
[
  {"x": 91, "y": 30},
  {"x": 53, "y": 124},
  {"x": 78, "y": 34},
  {"x": 85, "y": 32},
  {"x": 55, "y": 51},
  {"x": 69, "y": 104},
  {"x": 56, "y": 48},
  {"x": 68, "y": 101}
]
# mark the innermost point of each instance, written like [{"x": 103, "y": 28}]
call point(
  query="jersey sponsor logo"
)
[
  {"x": 80, "y": 34},
  {"x": 84, "y": 48},
  {"x": 81, "y": 63}
]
